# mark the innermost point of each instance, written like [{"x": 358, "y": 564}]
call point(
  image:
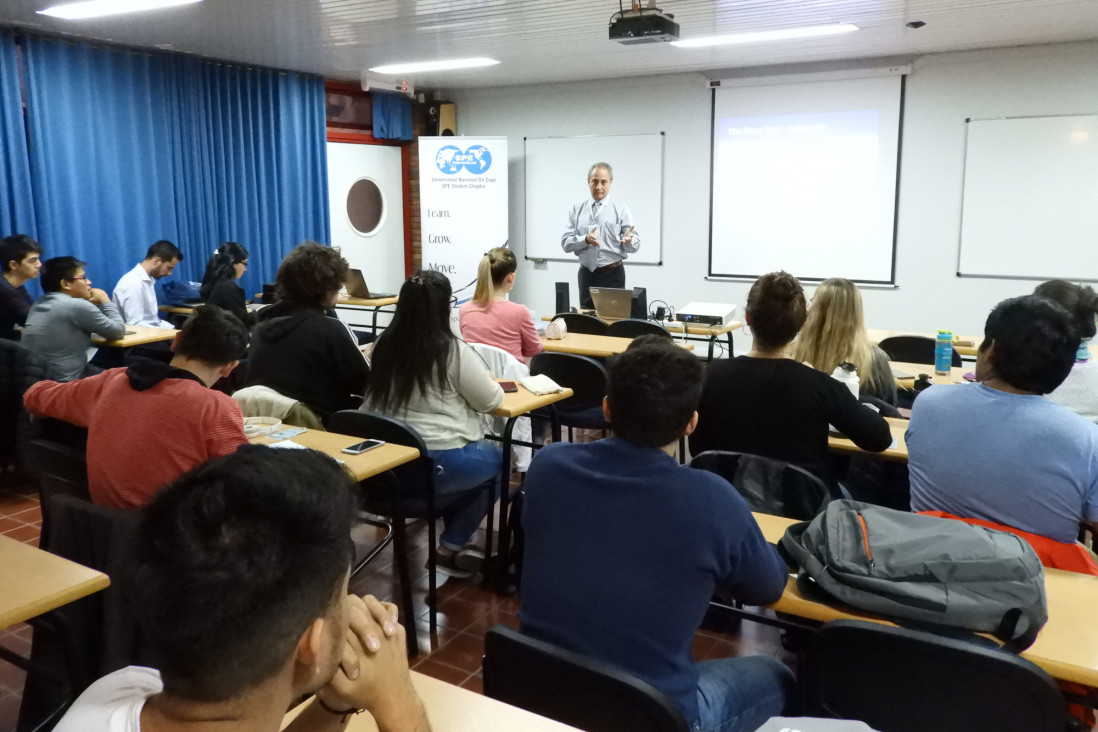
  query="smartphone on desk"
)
[
  {"x": 509, "y": 387},
  {"x": 360, "y": 447}
]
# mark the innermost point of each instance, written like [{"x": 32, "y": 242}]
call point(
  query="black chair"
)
[
  {"x": 904, "y": 680},
  {"x": 914, "y": 349},
  {"x": 586, "y": 377},
  {"x": 19, "y": 369},
  {"x": 572, "y": 688},
  {"x": 633, "y": 327},
  {"x": 768, "y": 486},
  {"x": 580, "y": 323},
  {"x": 403, "y": 493},
  {"x": 61, "y": 470}
]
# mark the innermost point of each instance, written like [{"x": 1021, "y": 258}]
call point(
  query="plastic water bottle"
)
[
  {"x": 943, "y": 352},
  {"x": 847, "y": 374}
]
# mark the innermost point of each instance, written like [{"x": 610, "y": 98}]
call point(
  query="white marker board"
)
[
  {"x": 556, "y": 180},
  {"x": 1030, "y": 206}
]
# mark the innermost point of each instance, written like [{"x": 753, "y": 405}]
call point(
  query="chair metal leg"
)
[
  {"x": 503, "y": 559},
  {"x": 432, "y": 581},
  {"x": 400, "y": 547},
  {"x": 385, "y": 540}
]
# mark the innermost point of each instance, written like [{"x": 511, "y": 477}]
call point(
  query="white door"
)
[{"x": 367, "y": 211}]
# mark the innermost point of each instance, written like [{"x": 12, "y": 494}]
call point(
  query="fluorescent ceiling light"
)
[
  {"x": 783, "y": 34},
  {"x": 458, "y": 63},
  {"x": 99, "y": 8}
]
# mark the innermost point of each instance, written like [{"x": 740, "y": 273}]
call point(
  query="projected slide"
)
[{"x": 810, "y": 192}]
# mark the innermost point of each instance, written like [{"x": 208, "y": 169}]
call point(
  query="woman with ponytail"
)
[
  {"x": 490, "y": 317},
  {"x": 1079, "y": 392},
  {"x": 219, "y": 286},
  {"x": 767, "y": 403}
]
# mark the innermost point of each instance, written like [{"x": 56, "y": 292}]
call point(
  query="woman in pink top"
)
[{"x": 490, "y": 317}]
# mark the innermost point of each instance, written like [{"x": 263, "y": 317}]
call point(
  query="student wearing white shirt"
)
[{"x": 134, "y": 293}]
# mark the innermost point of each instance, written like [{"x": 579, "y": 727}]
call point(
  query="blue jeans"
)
[
  {"x": 462, "y": 469},
  {"x": 737, "y": 694}
]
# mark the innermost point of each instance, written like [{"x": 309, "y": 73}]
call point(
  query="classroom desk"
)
[
  {"x": 595, "y": 346},
  {"x": 366, "y": 303},
  {"x": 176, "y": 309},
  {"x": 363, "y": 466},
  {"x": 141, "y": 335},
  {"x": 898, "y": 452},
  {"x": 514, "y": 405},
  {"x": 453, "y": 709},
  {"x": 710, "y": 332},
  {"x": 956, "y": 374},
  {"x": 965, "y": 345},
  {"x": 35, "y": 581},
  {"x": 1067, "y": 647}
]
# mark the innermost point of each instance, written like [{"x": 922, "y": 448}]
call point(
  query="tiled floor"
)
[{"x": 465, "y": 610}]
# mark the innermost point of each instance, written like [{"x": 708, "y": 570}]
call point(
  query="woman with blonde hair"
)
[
  {"x": 490, "y": 317},
  {"x": 835, "y": 331}
]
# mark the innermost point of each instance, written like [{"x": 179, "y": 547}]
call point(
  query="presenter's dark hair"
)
[
  {"x": 57, "y": 270},
  {"x": 15, "y": 248},
  {"x": 777, "y": 308},
  {"x": 653, "y": 391},
  {"x": 233, "y": 561},
  {"x": 413, "y": 352},
  {"x": 1079, "y": 300},
  {"x": 213, "y": 336},
  {"x": 1035, "y": 342},
  {"x": 165, "y": 251},
  {"x": 220, "y": 266},
  {"x": 310, "y": 273}
]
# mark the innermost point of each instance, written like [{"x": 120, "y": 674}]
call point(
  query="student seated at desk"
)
[
  {"x": 624, "y": 548},
  {"x": 239, "y": 586},
  {"x": 834, "y": 331},
  {"x": 20, "y": 260},
  {"x": 423, "y": 375},
  {"x": 1079, "y": 392},
  {"x": 766, "y": 403},
  {"x": 297, "y": 348},
  {"x": 490, "y": 317},
  {"x": 998, "y": 450},
  {"x": 219, "y": 287},
  {"x": 135, "y": 293},
  {"x": 60, "y": 325},
  {"x": 153, "y": 421}
]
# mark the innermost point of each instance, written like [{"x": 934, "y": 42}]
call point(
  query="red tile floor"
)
[{"x": 465, "y": 610}]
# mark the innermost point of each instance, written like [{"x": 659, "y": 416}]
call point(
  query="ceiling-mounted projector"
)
[{"x": 647, "y": 25}]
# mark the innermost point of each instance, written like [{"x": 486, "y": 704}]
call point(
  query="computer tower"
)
[
  {"x": 563, "y": 300},
  {"x": 640, "y": 304}
]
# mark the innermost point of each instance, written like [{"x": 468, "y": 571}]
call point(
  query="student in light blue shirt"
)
[{"x": 998, "y": 450}]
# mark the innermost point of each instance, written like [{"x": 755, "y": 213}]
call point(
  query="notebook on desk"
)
[
  {"x": 611, "y": 302},
  {"x": 356, "y": 287}
]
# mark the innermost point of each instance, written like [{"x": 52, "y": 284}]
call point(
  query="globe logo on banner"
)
[{"x": 451, "y": 160}]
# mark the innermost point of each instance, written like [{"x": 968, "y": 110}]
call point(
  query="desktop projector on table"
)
[
  {"x": 643, "y": 25},
  {"x": 706, "y": 313}
]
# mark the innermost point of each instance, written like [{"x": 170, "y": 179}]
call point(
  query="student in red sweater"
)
[
  {"x": 493, "y": 319},
  {"x": 153, "y": 421}
]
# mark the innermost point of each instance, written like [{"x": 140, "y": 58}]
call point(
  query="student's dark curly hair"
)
[
  {"x": 1079, "y": 300},
  {"x": 653, "y": 390},
  {"x": 1035, "y": 341},
  {"x": 777, "y": 308},
  {"x": 310, "y": 273}
]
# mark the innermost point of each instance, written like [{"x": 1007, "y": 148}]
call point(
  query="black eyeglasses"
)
[{"x": 82, "y": 277}]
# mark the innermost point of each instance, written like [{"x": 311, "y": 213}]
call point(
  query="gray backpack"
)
[{"x": 922, "y": 571}]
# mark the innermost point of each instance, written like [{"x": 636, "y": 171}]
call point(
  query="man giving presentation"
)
[{"x": 600, "y": 232}]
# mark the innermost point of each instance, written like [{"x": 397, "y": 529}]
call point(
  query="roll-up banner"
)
[{"x": 462, "y": 205}]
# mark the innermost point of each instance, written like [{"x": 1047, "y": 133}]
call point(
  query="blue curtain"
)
[
  {"x": 16, "y": 202},
  {"x": 129, "y": 147},
  {"x": 392, "y": 116}
]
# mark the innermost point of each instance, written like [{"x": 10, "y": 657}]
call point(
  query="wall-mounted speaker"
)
[{"x": 563, "y": 299}]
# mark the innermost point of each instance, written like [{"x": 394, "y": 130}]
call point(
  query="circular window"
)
[{"x": 365, "y": 207}]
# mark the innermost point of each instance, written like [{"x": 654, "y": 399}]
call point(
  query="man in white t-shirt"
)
[
  {"x": 239, "y": 584},
  {"x": 135, "y": 293}
]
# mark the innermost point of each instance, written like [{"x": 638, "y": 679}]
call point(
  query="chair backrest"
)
[
  {"x": 914, "y": 349},
  {"x": 580, "y": 323},
  {"x": 500, "y": 363},
  {"x": 585, "y": 376},
  {"x": 768, "y": 486},
  {"x": 61, "y": 470},
  {"x": 572, "y": 688},
  {"x": 19, "y": 369},
  {"x": 905, "y": 680},
  {"x": 633, "y": 327}
]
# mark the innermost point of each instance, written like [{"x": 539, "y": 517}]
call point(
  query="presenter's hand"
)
[
  {"x": 592, "y": 239},
  {"x": 627, "y": 240},
  {"x": 99, "y": 297}
]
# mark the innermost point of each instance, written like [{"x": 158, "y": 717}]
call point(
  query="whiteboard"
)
[
  {"x": 1030, "y": 199},
  {"x": 556, "y": 180}
]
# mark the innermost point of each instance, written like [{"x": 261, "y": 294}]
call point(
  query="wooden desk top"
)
[
  {"x": 897, "y": 452},
  {"x": 35, "y": 581},
  {"x": 453, "y": 709},
  {"x": 366, "y": 303},
  {"x": 176, "y": 309},
  {"x": 363, "y": 466},
  {"x": 596, "y": 346},
  {"x": 965, "y": 345},
  {"x": 523, "y": 401},
  {"x": 142, "y": 334},
  {"x": 956, "y": 374},
  {"x": 676, "y": 327},
  {"x": 1067, "y": 647}
]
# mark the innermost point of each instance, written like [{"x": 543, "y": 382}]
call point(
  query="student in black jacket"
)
[
  {"x": 766, "y": 403},
  {"x": 219, "y": 287}
]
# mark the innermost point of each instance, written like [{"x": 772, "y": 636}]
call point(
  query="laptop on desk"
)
[
  {"x": 611, "y": 302},
  {"x": 356, "y": 287}
]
